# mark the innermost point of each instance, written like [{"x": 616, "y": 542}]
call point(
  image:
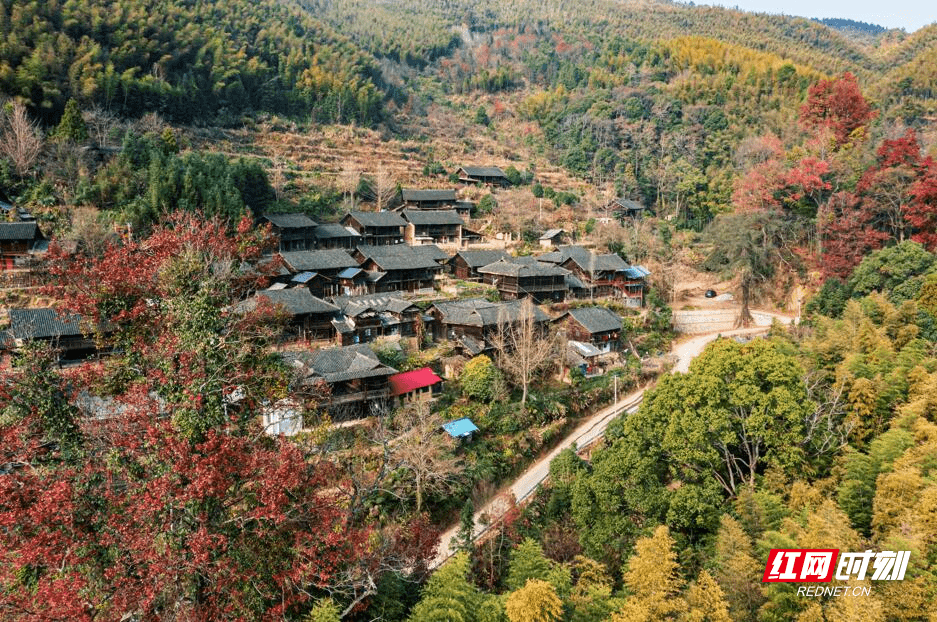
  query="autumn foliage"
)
[{"x": 837, "y": 104}]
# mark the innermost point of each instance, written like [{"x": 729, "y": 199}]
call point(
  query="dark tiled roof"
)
[
  {"x": 432, "y": 217},
  {"x": 334, "y": 230},
  {"x": 521, "y": 268},
  {"x": 18, "y": 230},
  {"x": 435, "y": 195},
  {"x": 341, "y": 364},
  {"x": 431, "y": 251},
  {"x": 353, "y": 306},
  {"x": 479, "y": 258},
  {"x": 479, "y": 312},
  {"x": 398, "y": 257},
  {"x": 290, "y": 221},
  {"x": 592, "y": 262},
  {"x": 296, "y": 301},
  {"x": 43, "y": 323},
  {"x": 627, "y": 204},
  {"x": 313, "y": 261},
  {"x": 483, "y": 171},
  {"x": 596, "y": 319},
  {"x": 378, "y": 219}
]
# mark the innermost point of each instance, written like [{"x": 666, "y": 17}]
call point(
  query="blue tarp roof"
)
[
  {"x": 460, "y": 427},
  {"x": 637, "y": 272},
  {"x": 349, "y": 273},
  {"x": 304, "y": 277}
]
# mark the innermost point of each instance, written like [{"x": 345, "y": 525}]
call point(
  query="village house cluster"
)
[{"x": 393, "y": 275}]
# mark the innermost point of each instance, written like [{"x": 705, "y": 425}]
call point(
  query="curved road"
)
[{"x": 586, "y": 433}]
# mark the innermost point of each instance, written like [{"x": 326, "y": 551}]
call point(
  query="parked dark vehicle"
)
[{"x": 710, "y": 293}]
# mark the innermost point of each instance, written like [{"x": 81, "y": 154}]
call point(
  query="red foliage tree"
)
[
  {"x": 887, "y": 187},
  {"x": 837, "y": 104},
  {"x": 922, "y": 212},
  {"x": 847, "y": 234}
]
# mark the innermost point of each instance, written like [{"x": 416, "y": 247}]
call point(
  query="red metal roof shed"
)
[{"x": 412, "y": 380}]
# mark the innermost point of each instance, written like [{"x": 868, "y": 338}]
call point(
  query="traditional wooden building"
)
[
  {"x": 519, "y": 277},
  {"x": 597, "y": 326},
  {"x": 443, "y": 227},
  {"x": 600, "y": 274},
  {"x": 624, "y": 208},
  {"x": 376, "y": 228},
  {"x": 399, "y": 268},
  {"x": 474, "y": 323},
  {"x": 428, "y": 199},
  {"x": 295, "y": 232},
  {"x": 490, "y": 175},
  {"x": 16, "y": 241},
  {"x": 335, "y": 235},
  {"x": 310, "y": 318},
  {"x": 465, "y": 263},
  {"x": 69, "y": 334},
  {"x": 316, "y": 270},
  {"x": 348, "y": 382},
  {"x": 363, "y": 319}
]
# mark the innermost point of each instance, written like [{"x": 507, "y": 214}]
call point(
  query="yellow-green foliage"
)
[
  {"x": 705, "y": 55},
  {"x": 535, "y": 602}
]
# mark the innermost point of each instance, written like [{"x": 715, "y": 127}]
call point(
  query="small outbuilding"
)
[{"x": 460, "y": 428}]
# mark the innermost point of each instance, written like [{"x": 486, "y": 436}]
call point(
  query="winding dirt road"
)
[{"x": 586, "y": 433}]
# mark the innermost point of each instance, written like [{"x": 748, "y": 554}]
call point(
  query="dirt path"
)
[{"x": 585, "y": 434}]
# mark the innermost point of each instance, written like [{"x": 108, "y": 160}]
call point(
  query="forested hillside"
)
[
  {"x": 187, "y": 61},
  {"x": 774, "y": 158}
]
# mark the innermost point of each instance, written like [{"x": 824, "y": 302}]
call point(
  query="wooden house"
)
[
  {"x": 69, "y": 334},
  {"x": 348, "y": 382},
  {"x": 634, "y": 285},
  {"x": 465, "y": 263},
  {"x": 428, "y": 199},
  {"x": 334, "y": 235},
  {"x": 600, "y": 274},
  {"x": 519, "y": 277},
  {"x": 624, "y": 208},
  {"x": 399, "y": 268},
  {"x": 363, "y": 319},
  {"x": 489, "y": 175},
  {"x": 310, "y": 318},
  {"x": 295, "y": 232},
  {"x": 316, "y": 270},
  {"x": 352, "y": 282},
  {"x": 443, "y": 227},
  {"x": 474, "y": 323},
  {"x": 597, "y": 326},
  {"x": 465, "y": 209},
  {"x": 376, "y": 228},
  {"x": 16, "y": 241}
]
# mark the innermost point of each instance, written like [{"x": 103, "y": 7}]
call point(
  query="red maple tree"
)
[{"x": 837, "y": 104}]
